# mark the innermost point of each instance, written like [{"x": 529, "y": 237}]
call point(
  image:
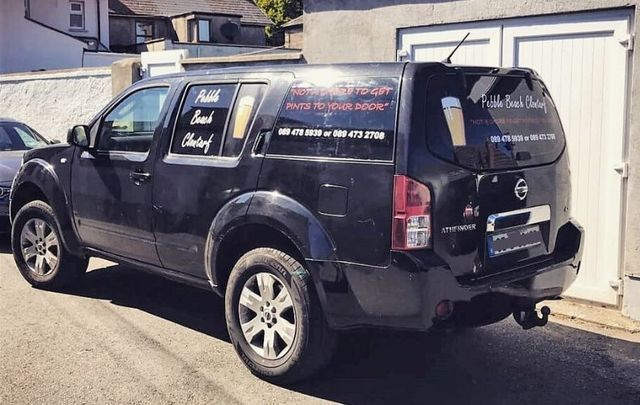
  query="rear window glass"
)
[
  {"x": 492, "y": 122},
  {"x": 202, "y": 119},
  {"x": 247, "y": 102},
  {"x": 349, "y": 118}
]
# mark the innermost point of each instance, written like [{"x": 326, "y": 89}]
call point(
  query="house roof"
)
[
  {"x": 250, "y": 12},
  {"x": 295, "y": 22}
]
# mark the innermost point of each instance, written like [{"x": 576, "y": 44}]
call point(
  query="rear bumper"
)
[{"x": 405, "y": 294}]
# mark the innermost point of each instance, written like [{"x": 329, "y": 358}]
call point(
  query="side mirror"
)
[{"x": 79, "y": 136}]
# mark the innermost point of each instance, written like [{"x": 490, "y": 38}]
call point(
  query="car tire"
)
[
  {"x": 39, "y": 251},
  {"x": 283, "y": 352}
]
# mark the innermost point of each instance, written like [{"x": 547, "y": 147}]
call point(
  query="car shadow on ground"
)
[
  {"x": 496, "y": 364},
  {"x": 194, "y": 308},
  {"x": 499, "y": 364}
]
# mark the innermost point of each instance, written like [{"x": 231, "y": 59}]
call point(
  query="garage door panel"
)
[
  {"x": 474, "y": 52},
  {"x": 482, "y": 47},
  {"x": 584, "y": 66},
  {"x": 583, "y": 60}
]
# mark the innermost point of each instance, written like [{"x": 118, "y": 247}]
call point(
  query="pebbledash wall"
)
[
  {"x": 53, "y": 101},
  {"x": 369, "y": 30}
]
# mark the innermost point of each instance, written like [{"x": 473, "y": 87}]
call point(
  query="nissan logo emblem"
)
[{"x": 521, "y": 190}]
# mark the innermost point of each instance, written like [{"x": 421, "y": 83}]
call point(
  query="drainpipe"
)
[{"x": 99, "y": 30}]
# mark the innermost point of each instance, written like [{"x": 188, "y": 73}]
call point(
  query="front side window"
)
[
  {"x": 130, "y": 126},
  {"x": 144, "y": 31},
  {"x": 202, "y": 120},
  {"x": 76, "y": 15}
]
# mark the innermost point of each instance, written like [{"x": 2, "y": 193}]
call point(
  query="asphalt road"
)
[{"x": 128, "y": 337}]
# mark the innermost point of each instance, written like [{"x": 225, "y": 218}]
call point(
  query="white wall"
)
[
  {"x": 3, "y": 36},
  {"x": 28, "y": 46},
  {"x": 55, "y": 13},
  {"x": 53, "y": 102}
]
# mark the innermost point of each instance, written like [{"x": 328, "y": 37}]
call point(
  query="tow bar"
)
[{"x": 529, "y": 318}]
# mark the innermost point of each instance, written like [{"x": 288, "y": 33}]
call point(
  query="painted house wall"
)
[
  {"x": 4, "y": 7},
  {"x": 25, "y": 45},
  {"x": 55, "y": 13}
]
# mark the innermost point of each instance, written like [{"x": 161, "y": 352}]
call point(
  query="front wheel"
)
[
  {"x": 38, "y": 249},
  {"x": 274, "y": 318}
]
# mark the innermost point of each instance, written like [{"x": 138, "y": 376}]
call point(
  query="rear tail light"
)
[{"x": 411, "y": 228}]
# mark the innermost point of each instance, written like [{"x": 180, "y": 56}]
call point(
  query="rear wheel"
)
[
  {"x": 38, "y": 249},
  {"x": 274, "y": 318}
]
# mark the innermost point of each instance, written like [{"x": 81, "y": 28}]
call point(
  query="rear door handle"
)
[{"x": 139, "y": 178}]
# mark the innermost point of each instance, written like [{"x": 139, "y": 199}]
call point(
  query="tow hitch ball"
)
[{"x": 528, "y": 318}]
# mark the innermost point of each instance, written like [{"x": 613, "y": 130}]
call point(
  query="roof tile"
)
[{"x": 251, "y": 13}]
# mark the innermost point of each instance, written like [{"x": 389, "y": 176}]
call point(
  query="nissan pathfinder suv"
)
[{"x": 316, "y": 199}]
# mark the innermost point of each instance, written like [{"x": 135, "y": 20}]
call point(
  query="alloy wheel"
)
[
  {"x": 267, "y": 316},
  {"x": 40, "y": 247}
]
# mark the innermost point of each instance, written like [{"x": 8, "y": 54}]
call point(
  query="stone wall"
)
[{"x": 51, "y": 102}]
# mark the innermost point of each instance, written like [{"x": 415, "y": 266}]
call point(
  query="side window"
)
[
  {"x": 130, "y": 126},
  {"x": 352, "y": 118},
  {"x": 202, "y": 120},
  {"x": 244, "y": 112},
  {"x": 29, "y": 139}
]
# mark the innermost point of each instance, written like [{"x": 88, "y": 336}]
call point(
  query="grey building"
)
[
  {"x": 585, "y": 52},
  {"x": 293, "y": 33},
  {"x": 133, "y": 24}
]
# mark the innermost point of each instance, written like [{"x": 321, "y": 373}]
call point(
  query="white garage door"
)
[{"x": 583, "y": 58}]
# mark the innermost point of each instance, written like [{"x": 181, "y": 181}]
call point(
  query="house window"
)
[
  {"x": 76, "y": 15},
  {"x": 204, "y": 31},
  {"x": 200, "y": 30},
  {"x": 144, "y": 31}
]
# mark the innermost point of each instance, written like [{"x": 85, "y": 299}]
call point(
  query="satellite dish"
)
[{"x": 230, "y": 30}]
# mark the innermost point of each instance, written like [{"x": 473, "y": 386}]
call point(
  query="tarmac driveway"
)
[{"x": 129, "y": 337}]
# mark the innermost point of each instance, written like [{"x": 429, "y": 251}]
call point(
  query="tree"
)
[{"x": 280, "y": 12}]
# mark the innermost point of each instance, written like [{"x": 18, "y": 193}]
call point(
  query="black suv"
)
[{"x": 316, "y": 199}]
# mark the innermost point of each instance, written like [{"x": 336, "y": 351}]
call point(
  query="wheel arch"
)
[
  {"x": 37, "y": 180},
  {"x": 263, "y": 219},
  {"x": 24, "y": 194}
]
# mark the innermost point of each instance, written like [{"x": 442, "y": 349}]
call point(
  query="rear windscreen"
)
[
  {"x": 492, "y": 122},
  {"x": 344, "y": 118}
]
